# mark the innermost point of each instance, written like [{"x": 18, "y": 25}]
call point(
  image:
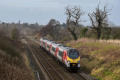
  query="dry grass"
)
[
  {"x": 12, "y": 66},
  {"x": 28, "y": 65},
  {"x": 102, "y": 59}
]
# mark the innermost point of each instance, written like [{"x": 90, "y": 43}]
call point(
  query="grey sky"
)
[{"x": 42, "y": 11}]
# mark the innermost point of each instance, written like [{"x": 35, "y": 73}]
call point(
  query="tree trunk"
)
[
  {"x": 98, "y": 33},
  {"x": 74, "y": 36}
]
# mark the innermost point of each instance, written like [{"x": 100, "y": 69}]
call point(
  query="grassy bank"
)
[
  {"x": 12, "y": 65},
  {"x": 99, "y": 59}
]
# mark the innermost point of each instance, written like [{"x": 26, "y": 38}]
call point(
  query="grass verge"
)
[
  {"x": 99, "y": 59},
  {"x": 12, "y": 65}
]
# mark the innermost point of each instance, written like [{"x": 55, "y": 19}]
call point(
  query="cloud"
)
[{"x": 43, "y": 10}]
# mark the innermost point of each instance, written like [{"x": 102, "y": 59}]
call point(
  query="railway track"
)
[
  {"x": 60, "y": 71},
  {"x": 50, "y": 69},
  {"x": 54, "y": 70}
]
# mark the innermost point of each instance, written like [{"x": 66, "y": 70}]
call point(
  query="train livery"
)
[{"x": 70, "y": 57}]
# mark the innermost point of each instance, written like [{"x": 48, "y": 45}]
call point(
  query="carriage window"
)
[
  {"x": 53, "y": 48},
  {"x": 60, "y": 53},
  {"x": 48, "y": 46}
]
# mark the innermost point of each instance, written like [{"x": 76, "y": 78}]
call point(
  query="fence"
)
[{"x": 116, "y": 42}]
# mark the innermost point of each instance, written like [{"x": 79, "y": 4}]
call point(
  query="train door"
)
[
  {"x": 46, "y": 45},
  {"x": 50, "y": 48},
  {"x": 56, "y": 52},
  {"x": 64, "y": 57},
  {"x": 41, "y": 43}
]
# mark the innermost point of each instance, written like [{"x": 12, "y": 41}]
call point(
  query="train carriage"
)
[
  {"x": 48, "y": 43},
  {"x": 70, "y": 57}
]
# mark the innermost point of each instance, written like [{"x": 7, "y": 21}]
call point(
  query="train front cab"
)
[{"x": 73, "y": 59}]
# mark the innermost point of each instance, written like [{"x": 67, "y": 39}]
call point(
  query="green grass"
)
[{"x": 107, "y": 72}]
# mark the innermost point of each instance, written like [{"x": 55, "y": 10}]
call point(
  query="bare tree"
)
[
  {"x": 99, "y": 20},
  {"x": 73, "y": 18},
  {"x": 52, "y": 29}
]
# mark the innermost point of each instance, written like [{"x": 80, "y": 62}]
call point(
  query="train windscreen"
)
[{"x": 73, "y": 54}]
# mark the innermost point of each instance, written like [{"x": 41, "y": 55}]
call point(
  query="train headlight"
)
[
  {"x": 79, "y": 63},
  {"x": 68, "y": 62}
]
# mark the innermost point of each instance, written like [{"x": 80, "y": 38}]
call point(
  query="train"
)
[{"x": 70, "y": 57}]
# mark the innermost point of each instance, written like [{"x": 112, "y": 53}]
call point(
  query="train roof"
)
[{"x": 61, "y": 46}]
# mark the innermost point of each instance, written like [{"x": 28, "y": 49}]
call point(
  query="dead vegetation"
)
[
  {"x": 99, "y": 59},
  {"x": 12, "y": 66}
]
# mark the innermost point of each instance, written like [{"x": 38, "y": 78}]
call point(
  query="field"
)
[
  {"x": 12, "y": 61},
  {"x": 99, "y": 58}
]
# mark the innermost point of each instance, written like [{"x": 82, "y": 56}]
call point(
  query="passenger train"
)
[{"x": 70, "y": 57}]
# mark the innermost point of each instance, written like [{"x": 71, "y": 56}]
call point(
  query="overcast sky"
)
[{"x": 42, "y": 11}]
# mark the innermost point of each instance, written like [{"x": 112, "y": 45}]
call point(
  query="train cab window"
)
[
  {"x": 73, "y": 54},
  {"x": 60, "y": 53}
]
